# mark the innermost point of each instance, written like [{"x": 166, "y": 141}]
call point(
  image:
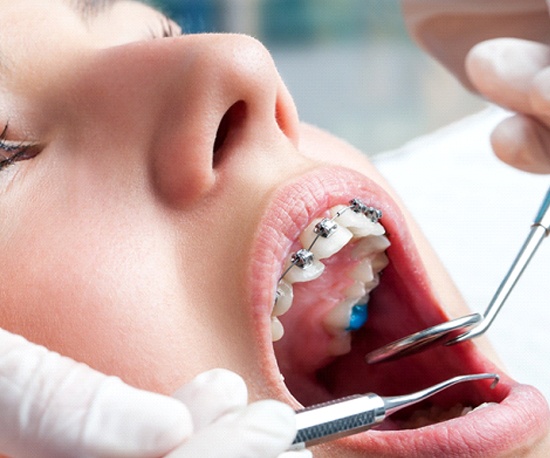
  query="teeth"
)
[
  {"x": 370, "y": 245},
  {"x": 283, "y": 302},
  {"x": 479, "y": 407},
  {"x": 358, "y": 289},
  {"x": 436, "y": 414},
  {"x": 357, "y": 223},
  {"x": 363, "y": 272},
  {"x": 367, "y": 270},
  {"x": 322, "y": 239},
  {"x": 298, "y": 274},
  {"x": 379, "y": 262},
  {"x": 338, "y": 318},
  {"x": 277, "y": 329},
  {"x": 325, "y": 247}
]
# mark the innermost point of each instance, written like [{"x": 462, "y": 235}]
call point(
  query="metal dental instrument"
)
[
  {"x": 354, "y": 414},
  {"x": 467, "y": 327}
]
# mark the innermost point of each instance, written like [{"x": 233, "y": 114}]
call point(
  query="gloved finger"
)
[
  {"x": 524, "y": 143},
  {"x": 52, "y": 406},
  {"x": 211, "y": 395},
  {"x": 262, "y": 429},
  {"x": 504, "y": 69},
  {"x": 539, "y": 95}
]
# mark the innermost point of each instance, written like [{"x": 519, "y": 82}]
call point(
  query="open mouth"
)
[{"x": 321, "y": 337}]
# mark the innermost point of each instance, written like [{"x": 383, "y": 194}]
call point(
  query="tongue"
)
[{"x": 306, "y": 345}]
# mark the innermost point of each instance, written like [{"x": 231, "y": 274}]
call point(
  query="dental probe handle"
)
[
  {"x": 539, "y": 230},
  {"x": 354, "y": 414},
  {"x": 339, "y": 418},
  {"x": 543, "y": 216}
]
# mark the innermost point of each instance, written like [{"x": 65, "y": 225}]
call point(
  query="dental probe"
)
[
  {"x": 357, "y": 413},
  {"x": 467, "y": 327}
]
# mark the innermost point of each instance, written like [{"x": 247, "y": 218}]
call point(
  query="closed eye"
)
[{"x": 12, "y": 151}]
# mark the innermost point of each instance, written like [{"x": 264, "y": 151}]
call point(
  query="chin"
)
[{"x": 317, "y": 359}]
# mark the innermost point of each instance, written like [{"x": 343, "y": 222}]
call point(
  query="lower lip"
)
[{"x": 514, "y": 425}]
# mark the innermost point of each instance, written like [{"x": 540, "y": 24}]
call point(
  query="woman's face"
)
[{"x": 152, "y": 192}]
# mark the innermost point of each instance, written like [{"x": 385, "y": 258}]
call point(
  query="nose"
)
[
  {"x": 195, "y": 101},
  {"x": 232, "y": 100}
]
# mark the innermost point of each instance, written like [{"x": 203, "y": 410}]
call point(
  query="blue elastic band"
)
[{"x": 358, "y": 318}]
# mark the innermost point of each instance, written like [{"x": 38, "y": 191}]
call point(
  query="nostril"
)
[{"x": 230, "y": 122}]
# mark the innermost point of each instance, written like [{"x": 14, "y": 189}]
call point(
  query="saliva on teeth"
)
[{"x": 325, "y": 237}]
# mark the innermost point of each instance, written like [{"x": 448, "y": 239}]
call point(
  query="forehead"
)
[
  {"x": 31, "y": 29},
  {"x": 41, "y": 40}
]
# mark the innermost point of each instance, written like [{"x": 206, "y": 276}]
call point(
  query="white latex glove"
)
[
  {"x": 51, "y": 406},
  {"x": 234, "y": 429},
  {"x": 515, "y": 74},
  {"x": 465, "y": 36},
  {"x": 448, "y": 29}
]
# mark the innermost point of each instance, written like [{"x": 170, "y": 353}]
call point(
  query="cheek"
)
[
  {"x": 322, "y": 146},
  {"x": 110, "y": 301}
]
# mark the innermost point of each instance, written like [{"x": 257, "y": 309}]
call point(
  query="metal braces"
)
[
  {"x": 371, "y": 213},
  {"x": 304, "y": 258}
]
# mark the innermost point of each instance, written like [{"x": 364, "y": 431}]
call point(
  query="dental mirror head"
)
[
  {"x": 440, "y": 333},
  {"x": 458, "y": 330}
]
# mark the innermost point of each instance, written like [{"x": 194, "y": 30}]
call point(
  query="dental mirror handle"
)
[
  {"x": 354, "y": 414},
  {"x": 539, "y": 230}
]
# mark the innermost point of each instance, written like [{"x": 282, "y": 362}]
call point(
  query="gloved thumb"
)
[
  {"x": 264, "y": 428},
  {"x": 220, "y": 393},
  {"x": 211, "y": 395},
  {"x": 52, "y": 406}
]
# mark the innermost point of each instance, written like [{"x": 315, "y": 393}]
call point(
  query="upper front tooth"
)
[
  {"x": 357, "y": 223},
  {"x": 296, "y": 274},
  {"x": 325, "y": 247}
]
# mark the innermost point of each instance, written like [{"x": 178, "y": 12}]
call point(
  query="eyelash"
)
[{"x": 12, "y": 151}]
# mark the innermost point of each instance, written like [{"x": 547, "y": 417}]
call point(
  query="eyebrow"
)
[{"x": 89, "y": 9}]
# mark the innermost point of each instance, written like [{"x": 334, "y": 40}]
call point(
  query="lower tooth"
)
[
  {"x": 370, "y": 245},
  {"x": 482, "y": 406},
  {"x": 338, "y": 319},
  {"x": 356, "y": 290},
  {"x": 363, "y": 272},
  {"x": 277, "y": 329}
]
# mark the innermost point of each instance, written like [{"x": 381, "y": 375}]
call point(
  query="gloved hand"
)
[
  {"x": 217, "y": 401},
  {"x": 515, "y": 74},
  {"x": 51, "y": 406}
]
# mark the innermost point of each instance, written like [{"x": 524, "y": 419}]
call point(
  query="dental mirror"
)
[
  {"x": 419, "y": 340},
  {"x": 469, "y": 326}
]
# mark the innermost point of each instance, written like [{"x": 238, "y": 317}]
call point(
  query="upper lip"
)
[{"x": 521, "y": 413}]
